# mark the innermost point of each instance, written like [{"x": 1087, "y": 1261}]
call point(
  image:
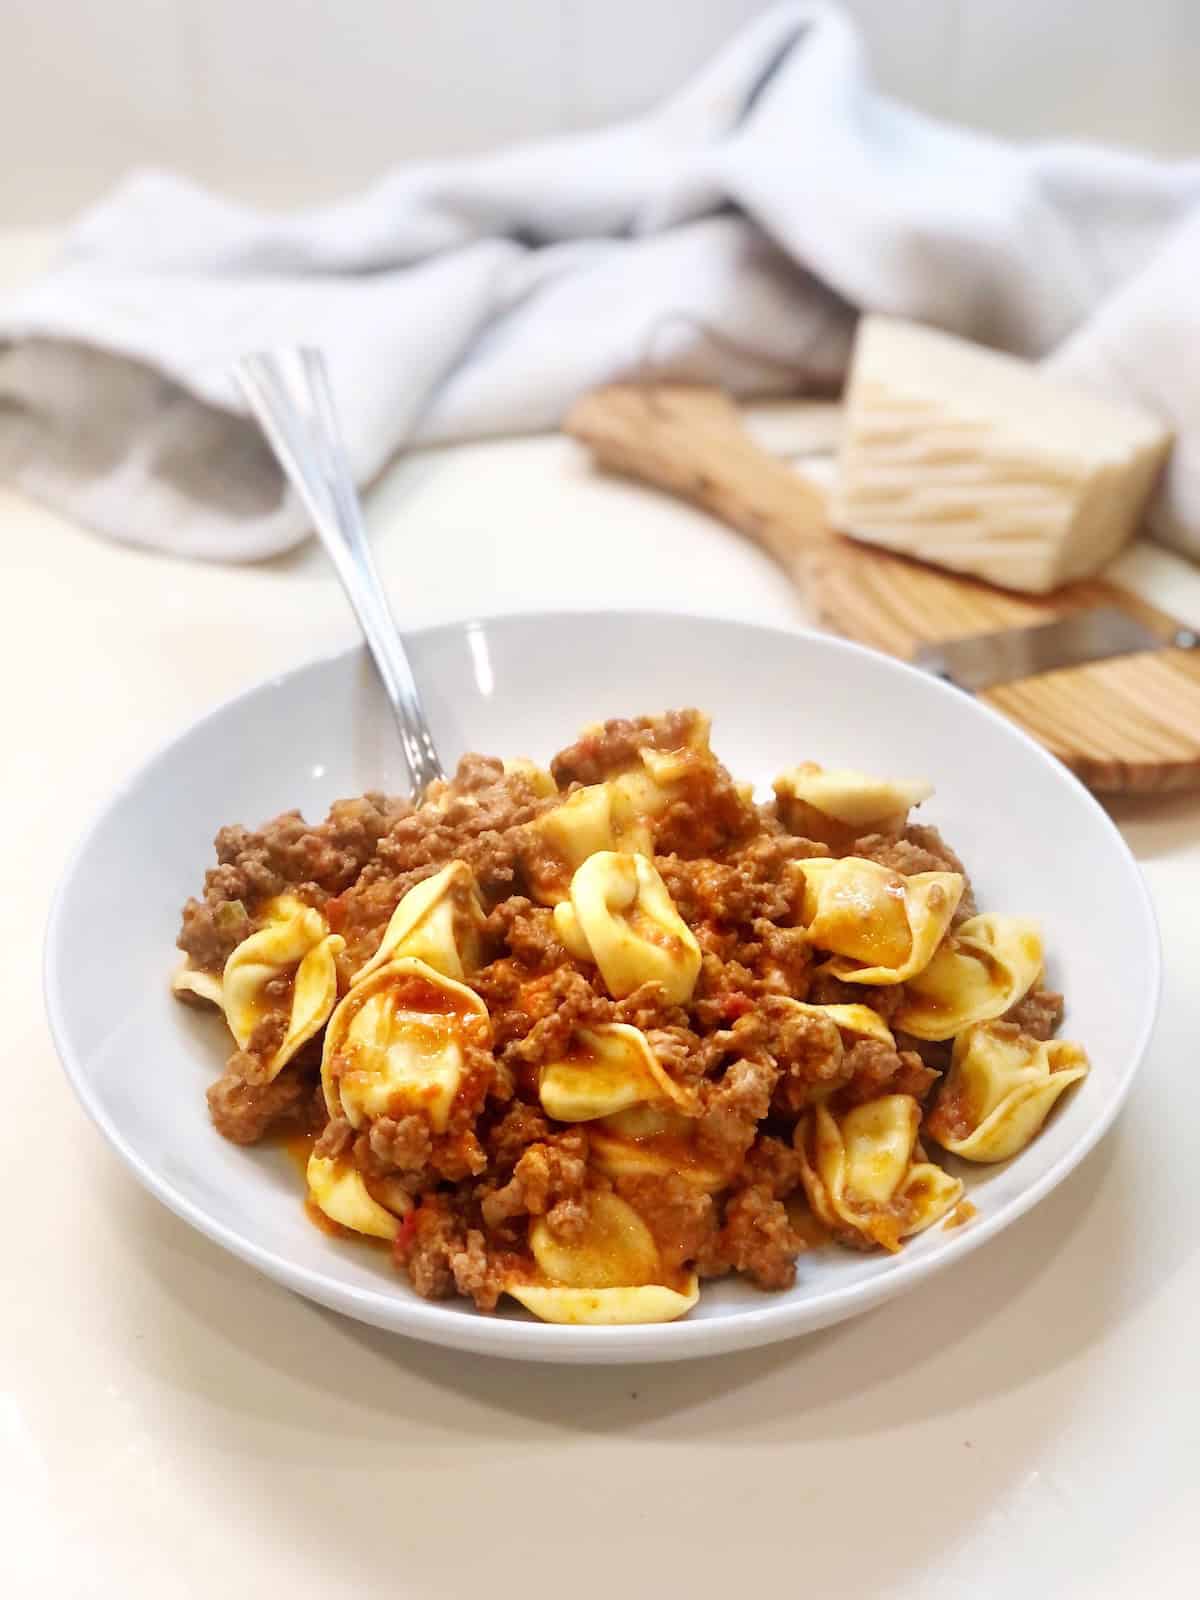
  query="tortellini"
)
[
  {"x": 394, "y": 1046},
  {"x": 1000, "y": 1089},
  {"x": 615, "y": 815},
  {"x": 592, "y": 819},
  {"x": 538, "y": 779},
  {"x": 295, "y": 948},
  {"x": 608, "y": 1068},
  {"x": 837, "y": 806},
  {"x": 985, "y": 967},
  {"x": 337, "y": 1188},
  {"x": 440, "y": 922},
  {"x": 654, "y": 1141},
  {"x": 880, "y": 926},
  {"x": 863, "y": 1172},
  {"x": 621, "y": 917},
  {"x": 860, "y": 1022},
  {"x": 191, "y": 984},
  {"x": 611, "y": 1272}
]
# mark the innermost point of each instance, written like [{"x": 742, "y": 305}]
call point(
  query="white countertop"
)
[{"x": 171, "y": 1424}]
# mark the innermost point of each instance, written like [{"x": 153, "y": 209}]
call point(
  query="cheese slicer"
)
[{"x": 1102, "y": 633}]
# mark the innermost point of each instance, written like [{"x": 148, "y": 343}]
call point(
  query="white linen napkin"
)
[{"x": 730, "y": 236}]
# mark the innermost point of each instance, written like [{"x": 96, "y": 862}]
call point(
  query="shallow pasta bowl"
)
[{"x": 1034, "y": 840}]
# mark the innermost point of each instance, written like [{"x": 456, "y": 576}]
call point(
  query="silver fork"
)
[{"x": 289, "y": 393}]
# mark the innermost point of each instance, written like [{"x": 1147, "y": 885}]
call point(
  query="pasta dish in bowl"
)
[
  {"x": 690, "y": 1036},
  {"x": 588, "y": 1035}
]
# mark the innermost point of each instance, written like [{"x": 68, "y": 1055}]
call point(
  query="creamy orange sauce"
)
[
  {"x": 326, "y": 1224},
  {"x": 298, "y": 1147},
  {"x": 809, "y": 1228}
]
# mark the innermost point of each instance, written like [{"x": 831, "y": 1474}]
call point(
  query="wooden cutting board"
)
[{"x": 1131, "y": 724}]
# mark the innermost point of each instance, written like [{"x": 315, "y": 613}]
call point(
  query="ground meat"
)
[
  {"x": 885, "y": 998},
  {"x": 680, "y": 1052},
  {"x": 773, "y": 1165},
  {"x": 336, "y": 1138},
  {"x": 613, "y": 746},
  {"x": 758, "y": 1239},
  {"x": 873, "y": 1068},
  {"x": 501, "y": 986},
  {"x": 567, "y": 1002},
  {"x": 527, "y": 932},
  {"x": 244, "y": 1112},
  {"x": 458, "y": 1156},
  {"x": 253, "y": 1064},
  {"x": 1038, "y": 1014},
  {"x": 545, "y": 1174},
  {"x": 734, "y": 1108},
  {"x": 725, "y": 991},
  {"x": 435, "y": 1234},
  {"x": 934, "y": 1053},
  {"x": 286, "y": 853},
  {"x": 771, "y": 850},
  {"x": 649, "y": 1008},
  {"x": 920, "y": 849},
  {"x": 209, "y": 933},
  {"x": 519, "y": 1127},
  {"x": 476, "y": 1275},
  {"x": 681, "y": 1217},
  {"x": 394, "y": 1144},
  {"x": 711, "y": 812},
  {"x": 477, "y": 817},
  {"x": 711, "y": 891},
  {"x": 781, "y": 960},
  {"x": 707, "y": 809}
]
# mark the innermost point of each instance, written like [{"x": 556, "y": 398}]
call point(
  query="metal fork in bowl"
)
[{"x": 288, "y": 391}]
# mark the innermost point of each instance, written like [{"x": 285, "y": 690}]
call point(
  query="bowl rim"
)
[{"x": 457, "y": 1327}]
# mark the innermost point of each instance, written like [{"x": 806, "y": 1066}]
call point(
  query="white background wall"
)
[{"x": 284, "y": 100}]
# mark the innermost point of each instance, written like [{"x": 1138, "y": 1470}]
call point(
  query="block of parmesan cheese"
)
[{"x": 975, "y": 461}]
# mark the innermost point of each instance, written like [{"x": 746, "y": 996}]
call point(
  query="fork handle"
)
[{"x": 288, "y": 391}]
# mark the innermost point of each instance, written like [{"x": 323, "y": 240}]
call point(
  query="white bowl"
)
[{"x": 1034, "y": 840}]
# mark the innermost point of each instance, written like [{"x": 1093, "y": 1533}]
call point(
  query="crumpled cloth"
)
[{"x": 731, "y": 236}]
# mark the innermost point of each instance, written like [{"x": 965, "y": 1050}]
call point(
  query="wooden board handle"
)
[{"x": 690, "y": 441}]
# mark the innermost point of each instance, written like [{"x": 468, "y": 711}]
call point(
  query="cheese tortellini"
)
[
  {"x": 979, "y": 972},
  {"x": 837, "y": 806},
  {"x": 395, "y": 1045},
  {"x": 654, "y": 1141},
  {"x": 621, "y": 917},
  {"x": 858, "y": 1021},
  {"x": 1000, "y": 1089},
  {"x": 609, "y": 1272},
  {"x": 440, "y": 922},
  {"x": 615, "y": 815},
  {"x": 192, "y": 984},
  {"x": 539, "y": 780},
  {"x": 608, "y": 1068},
  {"x": 865, "y": 1175},
  {"x": 880, "y": 927},
  {"x": 596, "y": 818},
  {"x": 295, "y": 952},
  {"x": 337, "y": 1188}
]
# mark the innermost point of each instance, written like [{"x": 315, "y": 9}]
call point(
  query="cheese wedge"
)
[{"x": 976, "y": 461}]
